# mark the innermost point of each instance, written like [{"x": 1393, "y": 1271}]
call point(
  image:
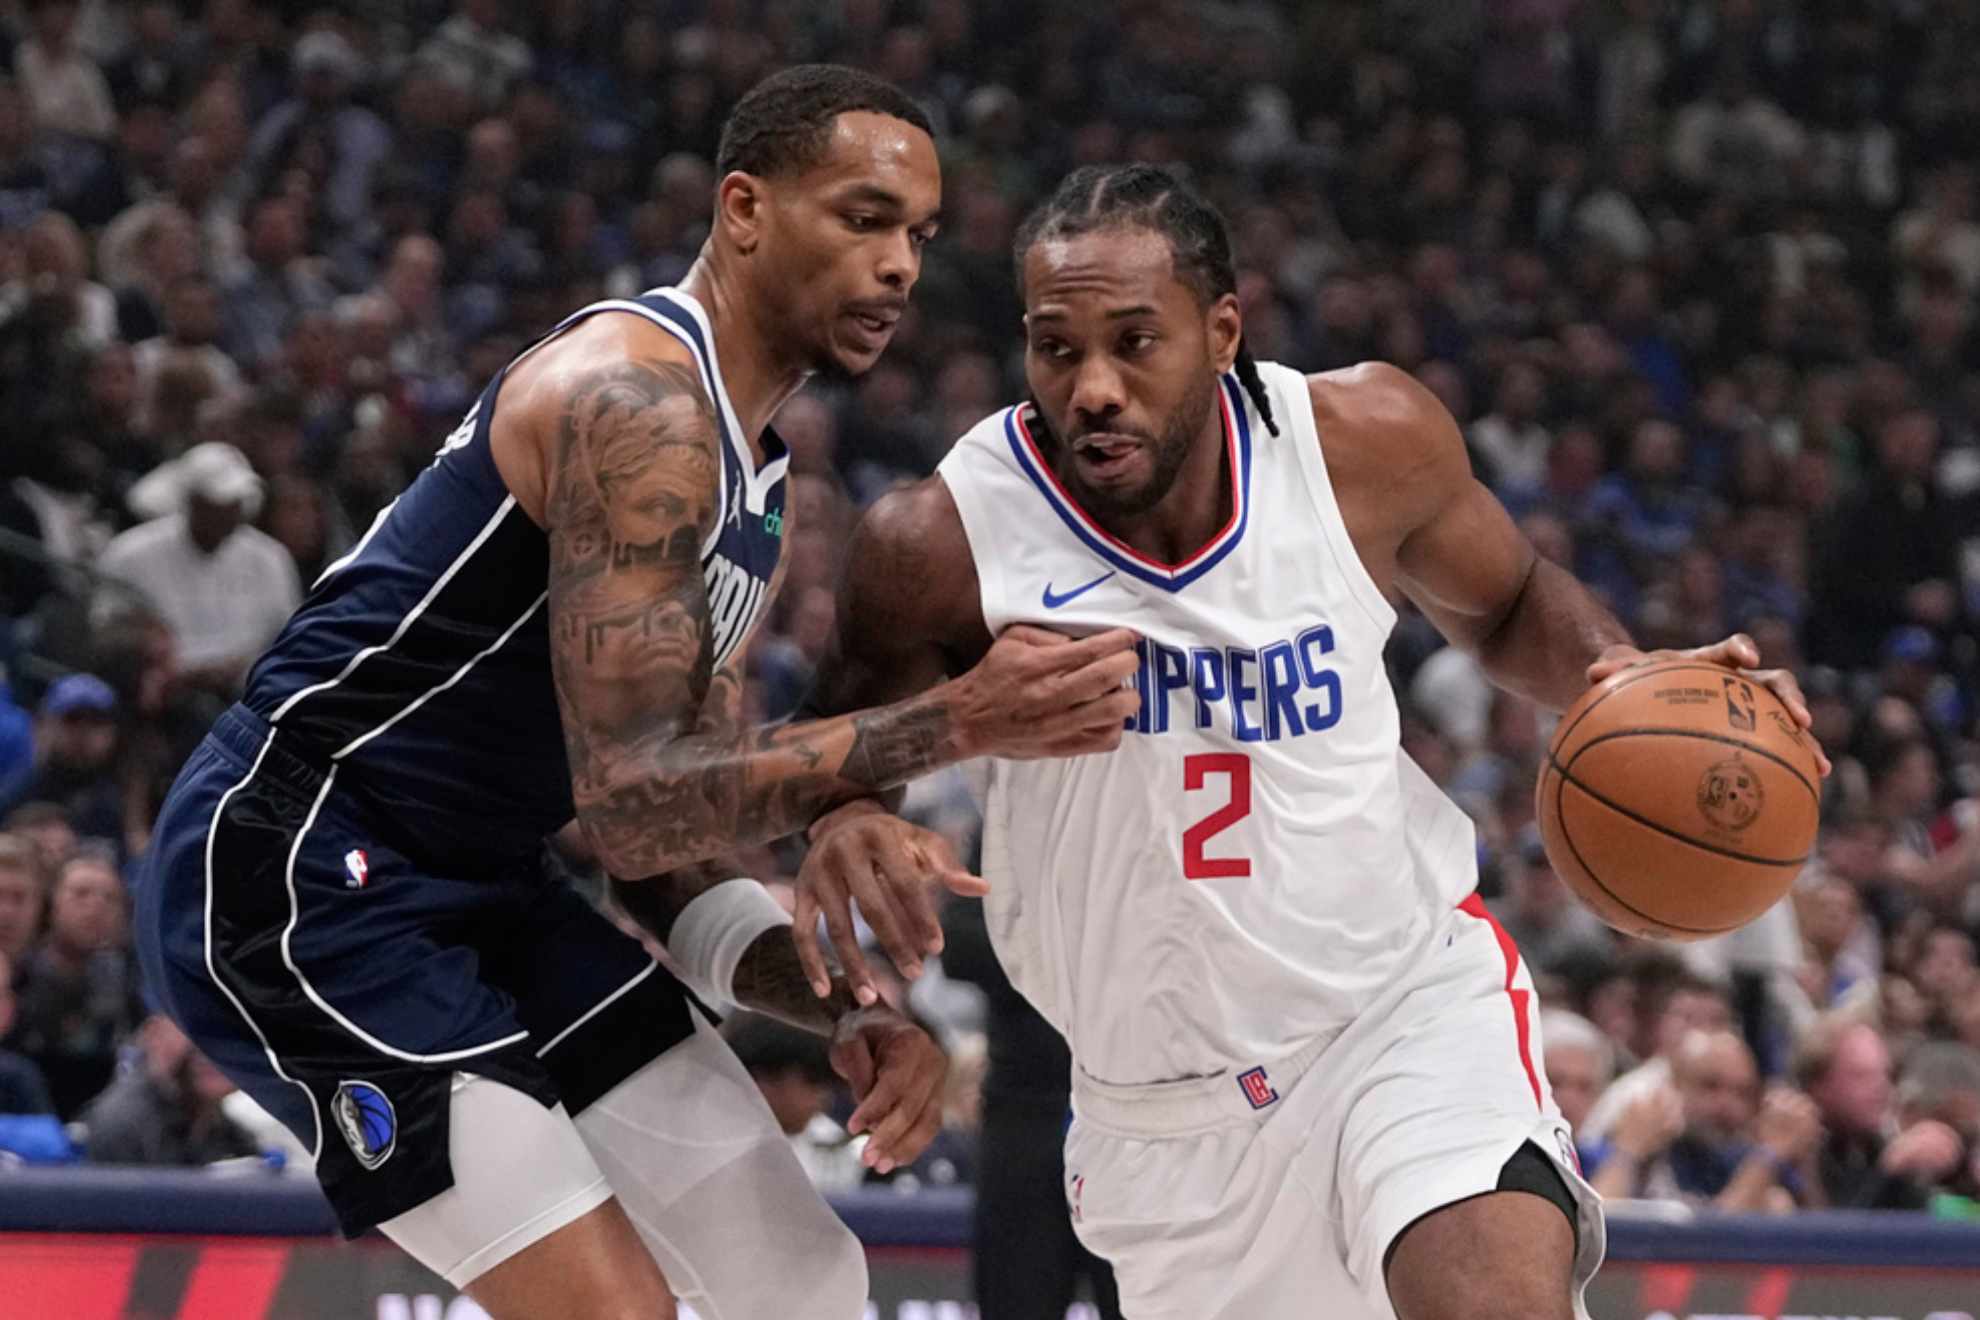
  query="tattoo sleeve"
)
[{"x": 661, "y": 773}]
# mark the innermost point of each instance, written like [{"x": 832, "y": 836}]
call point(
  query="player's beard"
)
[{"x": 1168, "y": 452}]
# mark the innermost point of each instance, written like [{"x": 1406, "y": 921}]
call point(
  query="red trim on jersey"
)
[
  {"x": 1072, "y": 505},
  {"x": 1475, "y": 906}
]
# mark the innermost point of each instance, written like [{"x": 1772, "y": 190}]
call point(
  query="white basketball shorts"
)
[
  {"x": 690, "y": 1150},
  {"x": 1276, "y": 1193}
]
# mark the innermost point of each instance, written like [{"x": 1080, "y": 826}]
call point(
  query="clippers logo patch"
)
[
  {"x": 366, "y": 1118},
  {"x": 1256, "y": 1088},
  {"x": 357, "y": 869}
]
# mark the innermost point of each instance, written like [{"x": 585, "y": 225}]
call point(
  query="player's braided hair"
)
[{"x": 1097, "y": 197}]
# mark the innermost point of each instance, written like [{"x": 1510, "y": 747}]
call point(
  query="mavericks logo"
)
[{"x": 366, "y": 1119}]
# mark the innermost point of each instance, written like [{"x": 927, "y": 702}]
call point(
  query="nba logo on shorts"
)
[
  {"x": 1256, "y": 1089},
  {"x": 366, "y": 1119},
  {"x": 356, "y": 867},
  {"x": 1078, "y": 1190}
]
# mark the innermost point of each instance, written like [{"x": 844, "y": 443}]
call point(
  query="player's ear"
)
[
  {"x": 1226, "y": 329},
  {"x": 739, "y": 205}
]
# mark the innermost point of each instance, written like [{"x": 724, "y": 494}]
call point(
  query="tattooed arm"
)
[{"x": 631, "y": 475}]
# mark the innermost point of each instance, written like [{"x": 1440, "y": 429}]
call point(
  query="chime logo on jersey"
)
[
  {"x": 1284, "y": 689},
  {"x": 357, "y": 869}
]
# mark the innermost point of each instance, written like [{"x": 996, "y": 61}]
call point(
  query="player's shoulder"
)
[
  {"x": 1384, "y": 431},
  {"x": 910, "y": 557},
  {"x": 602, "y": 345}
]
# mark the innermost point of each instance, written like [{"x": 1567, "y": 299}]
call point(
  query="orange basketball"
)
[{"x": 1679, "y": 800}]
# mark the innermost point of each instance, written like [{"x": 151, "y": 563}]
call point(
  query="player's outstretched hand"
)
[
  {"x": 896, "y": 1072},
  {"x": 862, "y": 851},
  {"x": 1738, "y": 652},
  {"x": 1037, "y": 693}
]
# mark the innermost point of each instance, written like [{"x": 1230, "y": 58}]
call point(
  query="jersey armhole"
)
[
  {"x": 1313, "y": 465},
  {"x": 978, "y": 531}
]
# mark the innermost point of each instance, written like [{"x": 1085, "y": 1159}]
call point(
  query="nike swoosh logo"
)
[{"x": 1053, "y": 601}]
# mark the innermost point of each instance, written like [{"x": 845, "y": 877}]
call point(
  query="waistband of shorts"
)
[
  {"x": 1171, "y": 1108},
  {"x": 245, "y": 735}
]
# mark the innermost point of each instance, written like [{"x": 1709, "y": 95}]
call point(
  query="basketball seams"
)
[
  {"x": 1728, "y": 740},
  {"x": 1567, "y": 836},
  {"x": 1670, "y": 833}
]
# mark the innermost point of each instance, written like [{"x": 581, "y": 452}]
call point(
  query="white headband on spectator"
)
[{"x": 717, "y": 927}]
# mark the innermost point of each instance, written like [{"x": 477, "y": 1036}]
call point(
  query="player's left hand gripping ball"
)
[
  {"x": 1738, "y": 652},
  {"x": 862, "y": 851},
  {"x": 897, "y": 1073}
]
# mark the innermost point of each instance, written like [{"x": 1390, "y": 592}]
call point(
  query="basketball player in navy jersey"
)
[
  {"x": 345, "y": 905},
  {"x": 1306, "y": 1077}
]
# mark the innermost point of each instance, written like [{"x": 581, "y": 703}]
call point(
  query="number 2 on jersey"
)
[{"x": 1236, "y": 766}]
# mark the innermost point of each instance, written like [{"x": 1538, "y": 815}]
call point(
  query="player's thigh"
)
[
  {"x": 710, "y": 1182},
  {"x": 593, "y": 1268},
  {"x": 529, "y": 1220},
  {"x": 1447, "y": 1087},
  {"x": 1501, "y": 1256},
  {"x": 1206, "y": 1224}
]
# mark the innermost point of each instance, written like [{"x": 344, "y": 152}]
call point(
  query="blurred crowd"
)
[{"x": 1697, "y": 278}]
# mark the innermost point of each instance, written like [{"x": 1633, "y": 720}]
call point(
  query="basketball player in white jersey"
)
[{"x": 1307, "y": 1072}]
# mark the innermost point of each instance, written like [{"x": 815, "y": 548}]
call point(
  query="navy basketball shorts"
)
[{"x": 285, "y": 924}]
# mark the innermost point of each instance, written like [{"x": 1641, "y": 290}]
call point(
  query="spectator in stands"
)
[
  {"x": 65, "y": 90},
  {"x": 23, "y": 899},
  {"x": 1867, "y": 1162},
  {"x": 75, "y": 740},
  {"x": 1670, "y": 1004},
  {"x": 166, "y": 1108},
  {"x": 341, "y": 142},
  {"x": 475, "y": 54},
  {"x": 224, "y": 588},
  {"x": 23, "y": 1090},
  {"x": 1839, "y": 951},
  {"x": 47, "y": 829},
  {"x": 78, "y": 995},
  {"x": 1545, "y": 921},
  {"x": 1580, "y": 1062},
  {"x": 280, "y": 284},
  {"x": 1889, "y": 556},
  {"x": 1720, "y": 1144}
]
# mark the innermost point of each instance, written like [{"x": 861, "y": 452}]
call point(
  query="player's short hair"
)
[
  {"x": 784, "y": 123},
  {"x": 1099, "y": 197}
]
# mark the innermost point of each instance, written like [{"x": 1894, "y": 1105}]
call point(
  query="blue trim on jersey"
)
[{"x": 1071, "y": 517}]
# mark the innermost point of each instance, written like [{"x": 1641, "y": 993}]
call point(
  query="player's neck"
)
[
  {"x": 759, "y": 377},
  {"x": 1195, "y": 509}
]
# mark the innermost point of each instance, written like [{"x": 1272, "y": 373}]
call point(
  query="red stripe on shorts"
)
[{"x": 1475, "y": 906}]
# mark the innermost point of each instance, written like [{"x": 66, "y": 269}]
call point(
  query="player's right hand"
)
[
  {"x": 1037, "y": 694},
  {"x": 862, "y": 851}
]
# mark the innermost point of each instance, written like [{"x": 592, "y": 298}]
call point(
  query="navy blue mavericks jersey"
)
[{"x": 419, "y": 664}]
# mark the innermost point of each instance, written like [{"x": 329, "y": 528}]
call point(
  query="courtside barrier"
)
[{"x": 104, "y": 1244}]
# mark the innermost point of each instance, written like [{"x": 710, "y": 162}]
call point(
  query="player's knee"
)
[{"x": 840, "y": 1263}]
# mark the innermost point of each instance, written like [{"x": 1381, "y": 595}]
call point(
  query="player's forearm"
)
[
  {"x": 648, "y": 809},
  {"x": 771, "y": 980},
  {"x": 1543, "y": 646}
]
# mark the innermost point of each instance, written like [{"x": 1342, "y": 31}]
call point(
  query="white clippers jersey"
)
[{"x": 1259, "y": 857}]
